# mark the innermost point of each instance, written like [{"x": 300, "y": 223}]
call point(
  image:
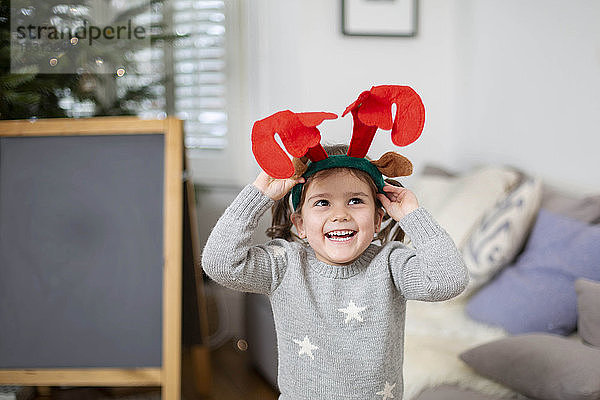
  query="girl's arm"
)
[
  {"x": 229, "y": 257},
  {"x": 435, "y": 269}
]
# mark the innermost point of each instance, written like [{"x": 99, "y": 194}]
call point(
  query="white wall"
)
[
  {"x": 510, "y": 82},
  {"x": 528, "y": 86}
]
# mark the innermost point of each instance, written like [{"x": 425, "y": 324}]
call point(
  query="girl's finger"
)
[
  {"x": 393, "y": 189},
  {"x": 385, "y": 202}
]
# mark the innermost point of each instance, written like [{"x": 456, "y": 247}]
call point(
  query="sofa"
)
[{"x": 528, "y": 324}]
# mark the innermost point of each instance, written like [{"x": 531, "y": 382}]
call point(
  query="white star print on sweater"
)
[
  {"x": 352, "y": 312},
  {"x": 352, "y": 350},
  {"x": 387, "y": 391},
  {"x": 306, "y": 347}
]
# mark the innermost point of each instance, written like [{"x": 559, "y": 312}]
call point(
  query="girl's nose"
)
[{"x": 339, "y": 214}]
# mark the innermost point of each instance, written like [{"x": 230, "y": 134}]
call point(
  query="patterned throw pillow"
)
[
  {"x": 502, "y": 232},
  {"x": 459, "y": 203}
]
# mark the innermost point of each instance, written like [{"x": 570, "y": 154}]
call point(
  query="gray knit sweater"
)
[{"x": 340, "y": 329}]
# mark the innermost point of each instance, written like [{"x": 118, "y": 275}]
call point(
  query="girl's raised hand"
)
[
  {"x": 398, "y": 201},
  {"x": 275, "y": 188}
]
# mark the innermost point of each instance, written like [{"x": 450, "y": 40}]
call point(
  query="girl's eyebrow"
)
[
  {"x": 357, "y": 194},
  {"x": 319, "y": 195}
]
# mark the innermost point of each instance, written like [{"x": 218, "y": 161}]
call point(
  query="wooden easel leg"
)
[
  {"x": 173, "y": 251},
  {"x": 201, "y": 369},
  {"x": 200, "y": 353}
]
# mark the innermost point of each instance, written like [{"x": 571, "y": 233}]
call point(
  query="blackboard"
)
[
  {"x": 81, "y": 251},
  {"x": 90, "y": 251}
]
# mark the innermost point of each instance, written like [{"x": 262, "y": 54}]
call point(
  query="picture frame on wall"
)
[{"x": 383, "y": 18}]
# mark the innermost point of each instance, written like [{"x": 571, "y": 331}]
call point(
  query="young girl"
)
[{"x": 339, "y": 300}]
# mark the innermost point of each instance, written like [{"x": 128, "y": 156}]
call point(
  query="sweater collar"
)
[{"x": 341, "y": 271}]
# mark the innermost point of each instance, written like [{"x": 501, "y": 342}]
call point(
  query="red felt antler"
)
[
  {"x": 372, "y": 110},
  {"x": 298, "y": 134}
]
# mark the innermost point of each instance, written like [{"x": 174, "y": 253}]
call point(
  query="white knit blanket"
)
[{"x": 436, "y": 333}]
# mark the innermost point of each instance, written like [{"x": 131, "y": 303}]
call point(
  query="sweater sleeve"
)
[
  {"x": 434, "y": 270},
  {"x": 230, "y": 259}
]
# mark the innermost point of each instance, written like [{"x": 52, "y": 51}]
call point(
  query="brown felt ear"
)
[
  {"x": 393, "y": 164},
  {"x": 300, "y": 166}
]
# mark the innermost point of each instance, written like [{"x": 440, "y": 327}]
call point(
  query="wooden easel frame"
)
[{"x": 168, "y": 376}]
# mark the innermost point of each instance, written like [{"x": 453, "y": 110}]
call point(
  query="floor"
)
[{"x": 232, "y": 379}]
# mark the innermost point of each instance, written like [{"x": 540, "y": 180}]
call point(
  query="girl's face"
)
[{"x": 338, "y": 217}]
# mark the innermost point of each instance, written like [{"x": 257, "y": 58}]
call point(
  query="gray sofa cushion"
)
[
  {"x": 586, "y": 209},
  {"x": 452, "y": 392},
  {"x": 540, "y": 366}
]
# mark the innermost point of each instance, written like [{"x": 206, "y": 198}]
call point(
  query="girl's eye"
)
[
  {"x": 355, "y": 200},
  {"x": 321, "y": 203}
]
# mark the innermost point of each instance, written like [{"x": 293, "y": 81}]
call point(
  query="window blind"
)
[{"x": 199, "y": 64}]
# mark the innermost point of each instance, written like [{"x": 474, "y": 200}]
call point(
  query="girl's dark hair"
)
[{"x": 281, "y": 224}]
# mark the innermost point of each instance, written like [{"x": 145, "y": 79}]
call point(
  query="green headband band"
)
[{"x": 338, "y": 161}]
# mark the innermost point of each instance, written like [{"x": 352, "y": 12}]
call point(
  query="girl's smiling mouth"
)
[{"x": 340, "y": 235}]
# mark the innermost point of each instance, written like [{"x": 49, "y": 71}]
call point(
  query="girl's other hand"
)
[
  {"x": 275, "y": 188},
  {"x": 398, "y": 201}
]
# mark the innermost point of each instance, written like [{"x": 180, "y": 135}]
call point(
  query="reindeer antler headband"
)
[{"x": 301, "y": 138}]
